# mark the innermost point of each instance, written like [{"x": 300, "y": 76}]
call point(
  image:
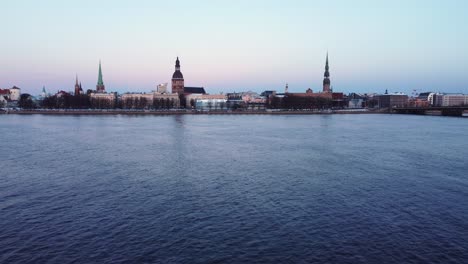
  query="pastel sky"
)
[{"x": 236, "y": 45}]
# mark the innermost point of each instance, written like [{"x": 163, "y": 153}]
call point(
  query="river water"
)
[{"x": 233, "y": 189}]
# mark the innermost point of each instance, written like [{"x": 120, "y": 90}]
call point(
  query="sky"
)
[{"x": 239, "y": 45}]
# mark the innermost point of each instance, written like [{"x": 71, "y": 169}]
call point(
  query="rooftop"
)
[{"x": 198, "y": 90}]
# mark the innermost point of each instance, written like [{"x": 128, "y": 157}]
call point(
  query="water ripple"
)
[{"x": 233, "y": 189}]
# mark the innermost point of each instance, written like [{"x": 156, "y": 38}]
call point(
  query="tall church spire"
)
[
  {"x": 327, "y": 68},
  {"x": 326, "y": 80},
  {"x": 77, "y": 87},
  {"x": 100, "y": 88},
  {"x": 100, "y": 82}
]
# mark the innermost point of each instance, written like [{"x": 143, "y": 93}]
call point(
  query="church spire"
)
[
  {"x": 77, "y": 87},
  {"x": 326, "y": 80},
  {"x": 177, "y": 64},
  {"x": 100, "y": 88},
  {"x": 327, "y": 68},
  {"x": 100, "y": 82}
]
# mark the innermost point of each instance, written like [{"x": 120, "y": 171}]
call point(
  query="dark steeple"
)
[
  {"x": 77, "y": 86},
  {"x": 177, "y": 74},
  {"x": 326, "y": 80},
  {"x": 327, "y": 68},
  {"x": 177, "y": 64}
]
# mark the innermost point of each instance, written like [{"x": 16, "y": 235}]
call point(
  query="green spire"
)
[{"x": 100, "y": 82}]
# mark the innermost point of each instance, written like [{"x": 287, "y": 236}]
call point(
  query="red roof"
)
[
  {"x": 4, "y": 91},
  {"x": 337, "y": 96}
]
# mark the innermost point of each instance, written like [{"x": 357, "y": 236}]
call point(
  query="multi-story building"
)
[
  {"x": 103, "y": 100},
  {"x": 9, "y": 95},
  {"x": 246, "y": 97},
  {"x": 421, "y": 100},
  {"x": 136, "y": 100},
  {"x": 15, "y": 93},
  {"x": 391, "y": 100},
  {"x": 170, "y": 100},
  {"x": 162, "y": 88},
  {"x": 210, "y": 101},
  {"x": 356, "y": 100},
  {"x": 450, "y": 99},
  {"x": 150, "y": 100}
]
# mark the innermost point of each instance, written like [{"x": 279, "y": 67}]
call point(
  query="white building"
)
[
  {"x": 451, "y": 100},
  {"x": 161, "y": 88},
  {"x": 355, "y": 103},
  {"x": 103, "y": 100},
  {"x": 15, "y": 93},
  {"x": 150, "y": 100},
  {"x": 208, "y": 101}
]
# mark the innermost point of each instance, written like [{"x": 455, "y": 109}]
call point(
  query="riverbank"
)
[{"x": 188, "y": 112}]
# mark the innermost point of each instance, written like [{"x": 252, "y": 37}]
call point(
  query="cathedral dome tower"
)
[{"x": 177, "y": 79}]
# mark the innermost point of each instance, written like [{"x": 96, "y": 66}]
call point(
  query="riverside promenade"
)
[{"x": 186, "y": 112}]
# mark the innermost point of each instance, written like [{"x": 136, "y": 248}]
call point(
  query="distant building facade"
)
[
  {"x": 162, "y": 88},
  {"x": 15, "y": 93},
  {"x": 450, "y": 99},
  {"x": 209, "y": 101},
  {"x": 10, "y": 97},
  {"x": 192, "y": 93},
  {"x": 153, "y": 100},
  {"x": 103, "y": 100},
  {"x": 356, "y": 100},
  {"x": 391, "y": 100}
]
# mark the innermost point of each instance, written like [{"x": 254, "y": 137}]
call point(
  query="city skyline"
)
[{"x": 224, "y": 47}]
